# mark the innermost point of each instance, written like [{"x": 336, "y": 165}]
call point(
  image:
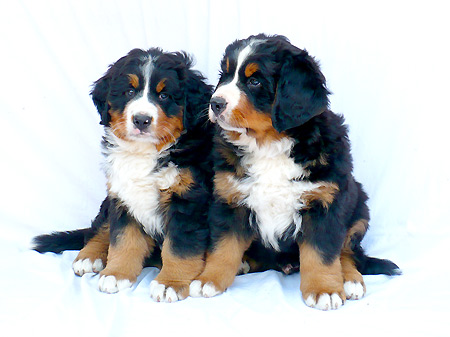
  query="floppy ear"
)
[
  {"x": 99, "y": 95},
  {"x": 301, "y": 92},
  {"x": 198, "y": 95}
]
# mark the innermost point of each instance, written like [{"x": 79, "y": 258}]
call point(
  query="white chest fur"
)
[
  {"x": 132, "y": 176},
  {"x": 273, "y": 187}
]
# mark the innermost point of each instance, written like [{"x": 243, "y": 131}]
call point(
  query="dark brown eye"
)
[
  {"x": 163, "y": 96},
  {"x": 253, "y": 82},
  {"x": 130, "y": 93}
]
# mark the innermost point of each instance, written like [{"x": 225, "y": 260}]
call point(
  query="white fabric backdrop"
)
[{"x": 387, "y": 64}]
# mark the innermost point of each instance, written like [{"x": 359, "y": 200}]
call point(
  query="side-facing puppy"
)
[
  {"x": 156, "y": 147},
  {"x": 283, "y": 175}
]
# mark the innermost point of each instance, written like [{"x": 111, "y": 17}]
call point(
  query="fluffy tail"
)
[
  {"x": 372, "y": 266},
  {"x": 57, "y": 242}
]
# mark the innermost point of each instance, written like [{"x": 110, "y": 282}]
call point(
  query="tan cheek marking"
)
[
  {"x": 318, "y": 278},
  {"x": 258, "y": 124},
  {"x": 161, "y": 85},
  {"x": 223, "y": 263},
  {"x": 178, "y": 272},
  {"x": 228, "y": 65},
  {"x": 126, "y": 256},
  {"x": 118, "y": 124},
  {"x": 324, "y": 194},
  {"x": 225, "y": 188},
  {"x": 97, "y": 246},
  {"x": 134, "y": 80},
  {"x": 168, "y": 129},
  {"x": 250, "y": 69}
]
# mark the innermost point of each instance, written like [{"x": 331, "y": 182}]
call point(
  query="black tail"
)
[
  {"x": 372, "y": 266},
  {"x": 57, "y": 242}
]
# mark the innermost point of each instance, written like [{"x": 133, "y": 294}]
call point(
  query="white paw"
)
[
  {"x": 353, "y": 290},
  {"x": 195, "y": 288},
  {"x": 109, "y": 284},
  {"x": 244, "y": 268},
  {"x": 208, "y": 289},
  {"x": 325, "y": 301},
  {"x": 160, "y": 293},
  {"x": 81, "y": 267}
]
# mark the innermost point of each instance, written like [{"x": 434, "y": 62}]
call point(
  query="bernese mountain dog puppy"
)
[
  {"x": 156, "y": 145},
  {"x": 283, "y": 175}
]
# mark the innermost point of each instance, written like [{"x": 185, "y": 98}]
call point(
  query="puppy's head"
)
[
  {"x": 150, "y": 96},
  {"x": 267, "y": 86}
]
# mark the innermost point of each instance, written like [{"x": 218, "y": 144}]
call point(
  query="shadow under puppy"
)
[
  {"x": 156, "y": 145},
  {"x": 283, "y": 176}
]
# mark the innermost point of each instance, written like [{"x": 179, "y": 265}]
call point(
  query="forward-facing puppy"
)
[
  {"x": 283, "y": 175},
  {"x": 156, "y": 147}
]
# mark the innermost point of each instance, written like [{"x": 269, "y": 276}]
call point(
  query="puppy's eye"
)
[
  {"x": 130, "y": 93},
  {"x": 163, "y": 96},
  {"x": 253, "y": 82}
]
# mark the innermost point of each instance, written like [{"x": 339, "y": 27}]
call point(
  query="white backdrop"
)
[{"x": 387, "y": 64}]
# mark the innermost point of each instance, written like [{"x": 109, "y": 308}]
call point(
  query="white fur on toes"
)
[
  {"x": 207, "y": 290},
  {"x": 160, "y": 293},
  {"x": 195, "y": 288},
  {"x": 325, "y": 302},
  {"x": 109, "y": 284},
  {"x": 81, "y": 267},
  {"x": 354, "y": 290}
]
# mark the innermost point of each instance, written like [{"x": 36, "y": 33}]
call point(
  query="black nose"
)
[
  {"x": 218, "y": 105},
  {"x": 142, "y": 122}
]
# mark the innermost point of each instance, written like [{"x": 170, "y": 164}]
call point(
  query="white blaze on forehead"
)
[
  {"x": 141, "y": 105},
  {"x": 230, "y": 91}
]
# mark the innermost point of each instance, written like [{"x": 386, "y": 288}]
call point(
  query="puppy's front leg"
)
[
  {"x": 172, "y": 283},
  {"x": 321, "y": 283},
  {"x": 126, "y": 255},
  {"x": 222, "y": 265}
]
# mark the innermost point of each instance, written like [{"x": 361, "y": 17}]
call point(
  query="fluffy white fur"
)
[
  {"x": 132, "y": 175},
  {"x": 325, "y": 302},
  {"x": 207, "y": 290},
  {"x": 160, "y": 293},
  {"x": 81, "y": 267},
  {"x": 354, "y": 290},
  {"x": 273, "y": 187},
  {"x": 109, "y": 284}
]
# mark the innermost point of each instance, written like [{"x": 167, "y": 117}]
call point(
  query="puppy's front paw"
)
[
  {"x": 83, "y": 266},
  {"x": 110, "y": 284},
  {"x": 165, "y": 293},
  {"x": 354, "y": 290},
  {"x": 198, "y": 289},
  {"x": 324, "y": 301}
]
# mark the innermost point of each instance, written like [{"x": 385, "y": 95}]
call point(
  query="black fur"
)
[
  {"x": 185, "y": 218},
  {"x": 292, "y": 90}
]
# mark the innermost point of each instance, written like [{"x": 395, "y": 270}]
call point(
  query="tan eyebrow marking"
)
[
  {"x": 134, "y": 80},
  {"x": 161, "y": 85},
  {"x": 251, "y": 69}
]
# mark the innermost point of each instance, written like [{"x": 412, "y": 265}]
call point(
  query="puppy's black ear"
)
[
  {"x": 301, "y": 92},
  {"x": 99, "y": 95},
  {"x": 101, "y": 89},
  {"x": 198, "y": 95}
]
